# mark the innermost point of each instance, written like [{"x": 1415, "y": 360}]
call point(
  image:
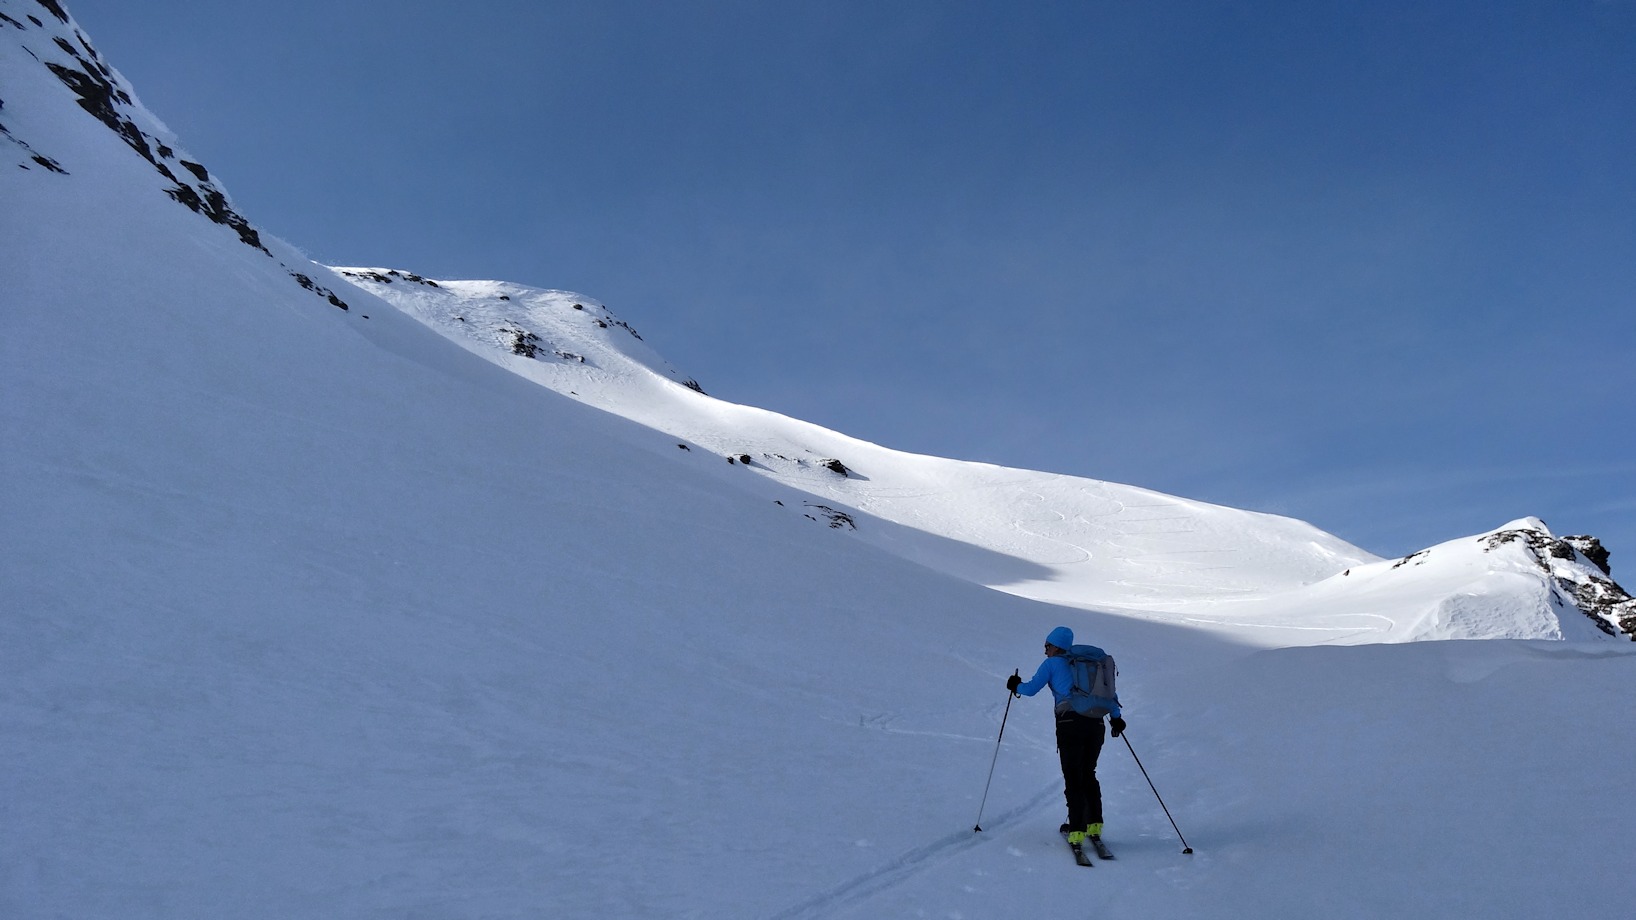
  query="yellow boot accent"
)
[
  {"x": 1075, "y": 838},
  {"x": 1093, "y": 830}
]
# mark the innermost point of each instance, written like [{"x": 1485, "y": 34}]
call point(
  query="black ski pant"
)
[{"x": 1079, "y": 744}]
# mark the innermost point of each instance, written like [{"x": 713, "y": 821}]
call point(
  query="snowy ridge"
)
[
  {"x": 49, "y": 56},
  {"x": 1056, "y": 538}
]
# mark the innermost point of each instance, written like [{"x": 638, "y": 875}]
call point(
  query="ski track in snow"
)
[
  {"x": 883, "y": 723},
  {"x": 883, "y": 878}
]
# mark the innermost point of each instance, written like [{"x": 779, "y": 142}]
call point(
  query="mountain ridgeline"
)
[
  {"x": 1061, "y": 539},
  {"x": 63, "y": 50}
]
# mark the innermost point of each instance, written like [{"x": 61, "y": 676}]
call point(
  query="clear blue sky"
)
[{"x": 1370, "y": 264}]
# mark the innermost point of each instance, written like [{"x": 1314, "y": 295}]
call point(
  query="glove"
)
[
  {"x": 1013, "y": 682},
  {"x": 1118, "y": 726}
]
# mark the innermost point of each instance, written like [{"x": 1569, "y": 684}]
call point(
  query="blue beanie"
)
[{"x": 1062, "y": 637}]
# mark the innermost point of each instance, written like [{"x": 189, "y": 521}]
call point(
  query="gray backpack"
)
[{"x": 1094, "y": 693}]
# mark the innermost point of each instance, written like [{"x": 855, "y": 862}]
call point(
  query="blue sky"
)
[{"x": 1368, "y": 264}]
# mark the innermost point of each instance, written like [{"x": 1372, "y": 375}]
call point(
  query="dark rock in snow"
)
[
  {"x": 39, "y": 159},
  {"x": 411, "y": 276},
  {"x": 837, "y": 519},
  {"x": 1592, "y": 549},
  {"x": 97, "y": 94},
  {"x": 376, "y": 277},
  {"x": 99, "y": 97},
  {"x": 523, "y": 343},
  {"x": 319, "y": 289},
  {"x": 55, "y": 9},
  {"x": 1597, "y": 596}
]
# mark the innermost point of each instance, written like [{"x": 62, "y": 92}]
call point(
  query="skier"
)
[{"x": 1079, "y": 738}]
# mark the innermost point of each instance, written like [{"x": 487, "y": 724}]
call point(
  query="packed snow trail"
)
[{"x": 896, "y": 872}]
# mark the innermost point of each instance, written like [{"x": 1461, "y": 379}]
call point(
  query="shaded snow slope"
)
[
  {"x": 309, "y": 614},
  {"x": 305, "y": 614},
  {"x": 1050, "y": 537}
]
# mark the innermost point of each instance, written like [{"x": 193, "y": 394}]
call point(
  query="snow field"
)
[{"x": 304, "y": 614}]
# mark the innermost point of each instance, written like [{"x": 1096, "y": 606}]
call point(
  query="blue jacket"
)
[{"x": 1055, "y": 673}]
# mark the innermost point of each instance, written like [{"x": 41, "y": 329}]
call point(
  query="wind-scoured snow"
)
[{"x": 307, "y": 613}]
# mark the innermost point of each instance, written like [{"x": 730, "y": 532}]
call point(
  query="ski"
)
[
  {"x": 1102, "y": 850},
  {"x": 1079, "y": 853}
]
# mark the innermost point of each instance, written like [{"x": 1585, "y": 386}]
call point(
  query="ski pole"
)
[
  {"x": 1185, "y": 848},
  {"x": 1009, "y": 696}
]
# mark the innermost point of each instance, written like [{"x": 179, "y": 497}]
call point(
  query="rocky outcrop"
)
[
  {"x": 1592, "y": 549},
  {"x": 389, "y": 276},
  {"x": 92, "y": 83},
  {"x": 320, "y": 290},
  {"x": 1569, "y": 562},
  {"x": 837, "y": 519},
  {"x": 65, "y": 52}
]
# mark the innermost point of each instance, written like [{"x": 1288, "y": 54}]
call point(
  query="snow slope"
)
[
  {"x": 305, "y": 613},
  {"x": 1052, "y": 537},
  {"x": 1062, "y": 539}
]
